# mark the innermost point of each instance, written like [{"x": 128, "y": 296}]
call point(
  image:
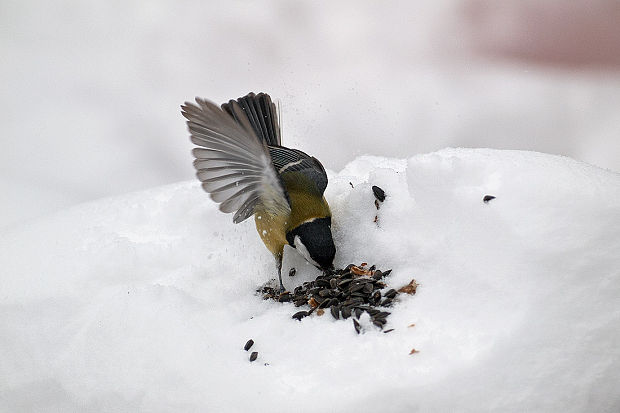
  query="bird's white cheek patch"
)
[{"x": 304, "y": 251}]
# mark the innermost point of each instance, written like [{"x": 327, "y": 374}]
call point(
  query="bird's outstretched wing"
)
[
  {"x": 233, "y": 165},
  {"x": 260, "y": 112},
  {"x": 287, "y": 160}
]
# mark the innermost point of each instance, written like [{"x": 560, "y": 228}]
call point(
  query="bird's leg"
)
[{"x": 279, "y": 266}]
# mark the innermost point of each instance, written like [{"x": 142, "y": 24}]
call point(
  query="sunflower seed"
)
[
  {"x": 299, "y": 315},
  {"x": 335, "y": 311},
  {"x": 249, "y": 344},
  {"x": 253, "y": 355},
  {"x": 357, "y": 326},
  {"x": 379, "y": 193},
  {"x": 391, "y": 293}
]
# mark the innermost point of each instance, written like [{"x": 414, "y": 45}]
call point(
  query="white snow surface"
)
[{"x": 144, "y": 302}]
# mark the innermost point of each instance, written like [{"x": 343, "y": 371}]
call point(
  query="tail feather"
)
[{"x": 260, "y": 112}]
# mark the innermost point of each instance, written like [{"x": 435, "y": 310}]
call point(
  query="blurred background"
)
[{"x": 91, "y": 89}]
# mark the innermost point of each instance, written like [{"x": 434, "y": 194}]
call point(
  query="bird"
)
[{"x": 241, "y": 163}]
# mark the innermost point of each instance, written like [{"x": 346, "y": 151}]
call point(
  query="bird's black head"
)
[{"x": 313, "y": 239}]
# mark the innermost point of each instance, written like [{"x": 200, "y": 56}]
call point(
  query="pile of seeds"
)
[{"x": 347, "y": 292}]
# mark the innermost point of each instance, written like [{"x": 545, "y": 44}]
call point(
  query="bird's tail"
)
[{"x": 262, "y": 114}]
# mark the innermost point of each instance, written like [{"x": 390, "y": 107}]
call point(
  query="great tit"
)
[{"x": 243, "y": 166}]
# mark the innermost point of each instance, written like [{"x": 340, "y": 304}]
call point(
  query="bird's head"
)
[{"x": 313, "y": 239}]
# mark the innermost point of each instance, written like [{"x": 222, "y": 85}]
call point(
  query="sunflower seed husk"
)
[
  {"x": 335, "y": 311},
  {"x": 357, "y": 326}
]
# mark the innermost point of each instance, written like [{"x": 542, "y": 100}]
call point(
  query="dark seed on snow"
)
[
  {"x": 346, "y": 312},
  {"x": 379, "y": 193},
  {"x": 487, "y": 198},
  {"x": 378, "y": 323},
  {"x": 372, "y": 311},
  {"x": 358, "y": 312},
  {"x": 285, "y": 297},
  {"x": 253, "y": 355},
  {"x": 335, "y": 311},
  {"x": 386, "y": 273},
  {"x": 391, "y": 293},
  {"x": 387, "y": 331},
  {"x": 344, "y": 282},
  {"x": 357, "y": 326},
  {"x": 377, "y": 275},
  {"x": 324, "y": 293},
  {"x": 387, "y": 302},
  {"x": 325, "y": 303},
  {"x": 249, "y": 344},
  {"x": 299, "y": 315}
]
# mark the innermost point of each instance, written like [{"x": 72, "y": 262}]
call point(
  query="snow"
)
[{"x": 143, "y": 302}]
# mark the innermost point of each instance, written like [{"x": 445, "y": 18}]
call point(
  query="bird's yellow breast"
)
[{"x": 305, "y": 205}]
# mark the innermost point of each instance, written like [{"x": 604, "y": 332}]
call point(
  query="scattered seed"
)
[
  {"x": 249, "y": 344},
  {"x": 335, "y": 312},
  {"x": 347, "y": 292},
  {"x": 357, "y": 326},
  {"x": 409, "y": 288},
  {"x": 487, "y": 198},
  {"x": 253, "y": 355},
  {"x": 360, "y": 270},
  {"x": 292, "y": 272},
  {"x": 379, "y": 193},
  {"x": 299, "y": 315},
  {"x": 387, "y": 331},
  {"x": 285, "y": 297},
  {"x": 325, "y": 293}
]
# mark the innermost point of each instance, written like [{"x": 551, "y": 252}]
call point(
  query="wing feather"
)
[{"x": 234, "y": 166}]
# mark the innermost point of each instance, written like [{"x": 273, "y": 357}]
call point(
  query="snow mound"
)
[{"x": 144, "y": 302}]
